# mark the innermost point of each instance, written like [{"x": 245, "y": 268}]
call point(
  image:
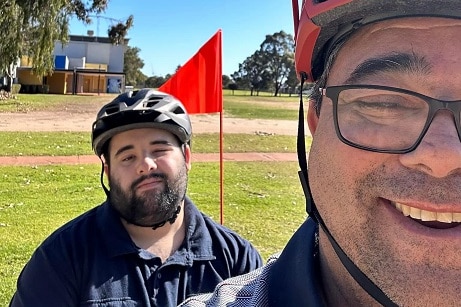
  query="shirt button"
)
[{"x": 159, "y": 275}]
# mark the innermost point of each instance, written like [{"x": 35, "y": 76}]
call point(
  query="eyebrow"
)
[
  {"x": 395, "y": 62},
  {"x": 128, "y": 147}
]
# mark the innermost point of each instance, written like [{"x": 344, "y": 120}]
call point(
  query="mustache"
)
[
  {"x": 144, "y": 177},
  {"x": 411, "y": 184}
]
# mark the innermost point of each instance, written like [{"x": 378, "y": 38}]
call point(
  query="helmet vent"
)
[
  {"x": 150, "y": 104},
  {"x": 152, "y": 101},
  {"x": 112, "y": 109},
  {"x": 178, "y": 110}
]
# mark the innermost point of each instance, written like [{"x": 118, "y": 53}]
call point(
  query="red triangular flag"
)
[{"x": 198, "y": 83}]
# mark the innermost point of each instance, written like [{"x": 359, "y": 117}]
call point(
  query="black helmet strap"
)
[
  {"x": 311, "y": 209},
  {"x": 102, "y": 179}
]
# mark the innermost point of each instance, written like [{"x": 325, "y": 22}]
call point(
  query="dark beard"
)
[{"x": 153, "y": 206}]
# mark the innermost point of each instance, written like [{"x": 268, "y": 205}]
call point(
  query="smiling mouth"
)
[{"x": 430, "y": 218}]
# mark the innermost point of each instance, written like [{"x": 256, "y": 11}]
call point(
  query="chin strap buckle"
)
[{"x": 171, "y": 220}]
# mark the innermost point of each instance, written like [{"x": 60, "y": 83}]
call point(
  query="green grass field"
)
[
  {"x": 263, "y": 201},
  {"x": 79, "y": 143}
]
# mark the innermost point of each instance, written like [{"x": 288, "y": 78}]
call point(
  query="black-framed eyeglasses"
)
[{"x": 385, "y": 119}]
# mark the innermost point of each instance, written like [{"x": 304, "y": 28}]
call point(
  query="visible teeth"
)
[
  {"x": 424, "y": 215},
  {"x": 445, "y": 217},
  {"x": 406, "y": 210},
  {"x": 428, "y": 216},
  {"x": 456, "y": 217},
  {"x": 415, "y": 213}
]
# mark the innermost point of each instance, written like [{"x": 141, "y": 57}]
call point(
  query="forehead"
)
[{"x": 432, "y": 44}]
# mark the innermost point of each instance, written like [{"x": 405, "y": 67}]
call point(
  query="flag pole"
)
[
  {"x": 221, "y": 133},
  {"x": 221, "y": 166}
]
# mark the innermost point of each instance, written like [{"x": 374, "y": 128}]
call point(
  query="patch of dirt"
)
[{"x": 80, "y": 117}]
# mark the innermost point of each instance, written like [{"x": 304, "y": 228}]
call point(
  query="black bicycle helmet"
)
[{"x": 145, "y": 108}]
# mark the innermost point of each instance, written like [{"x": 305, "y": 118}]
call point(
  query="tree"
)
[
  {"x": 31, "y": 27},
  {"x": 9, "y": 44},
  {"x": 233, "y": 87},
  {"x": 118, "y": 32},
  {"x": 269, "y": 67},
  {"x": 155, "y": 81},
  {"x": 132, "y": 67},
  {"x": 278, "y": 53},
  {"x": 291, "y": 82},
  {"x": 252, "y": 73},
  {"x": 226, "y": 80}
]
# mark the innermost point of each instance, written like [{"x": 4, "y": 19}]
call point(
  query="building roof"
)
[{"x": 95, "y": 39}]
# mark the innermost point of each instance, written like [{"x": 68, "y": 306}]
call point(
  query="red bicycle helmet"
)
[
  {"x": 145, "y": 108},
  {"x": 322, "y": 23}
]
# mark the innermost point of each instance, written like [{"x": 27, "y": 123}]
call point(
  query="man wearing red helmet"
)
[
  {"x": 148, "y": 244},
  {"x": 383, "y": 184}
]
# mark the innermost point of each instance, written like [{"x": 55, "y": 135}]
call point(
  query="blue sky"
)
[{"x": 170, "y": 32}]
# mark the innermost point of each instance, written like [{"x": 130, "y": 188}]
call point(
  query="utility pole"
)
[{"x": 98, "y": 17}]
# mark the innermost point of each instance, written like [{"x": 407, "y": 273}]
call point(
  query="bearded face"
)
[{"x": 151, "y": 206}]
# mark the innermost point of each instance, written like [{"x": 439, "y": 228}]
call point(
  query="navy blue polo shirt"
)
[{"x": 92, "y": 261}]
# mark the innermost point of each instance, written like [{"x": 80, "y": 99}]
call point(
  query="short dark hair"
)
[{"x": 321, "y": 82}]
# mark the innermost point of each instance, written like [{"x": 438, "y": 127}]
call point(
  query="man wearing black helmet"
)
[
  {"x": 147, "y": 245},
  {"x": 383, "y": 184}
]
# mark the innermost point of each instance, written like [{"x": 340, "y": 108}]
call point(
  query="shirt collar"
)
[
  {"x": 295, "y": 279},
  {"x": 197, "y": 244}
]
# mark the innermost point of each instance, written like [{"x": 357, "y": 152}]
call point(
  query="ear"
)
[
  {"x": 188, "y": 157},
  {"x": 312, "y": 118},
  {"x": 106, "y": 169}
]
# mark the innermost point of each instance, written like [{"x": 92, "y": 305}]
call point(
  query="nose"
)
[
  {"x": 439, "y": 153},
  {"x": 146, "y": 165}
]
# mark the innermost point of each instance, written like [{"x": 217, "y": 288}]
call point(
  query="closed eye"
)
[
  {"x": 127, "y": 158},
  {"x": 157, "y": 152}
]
